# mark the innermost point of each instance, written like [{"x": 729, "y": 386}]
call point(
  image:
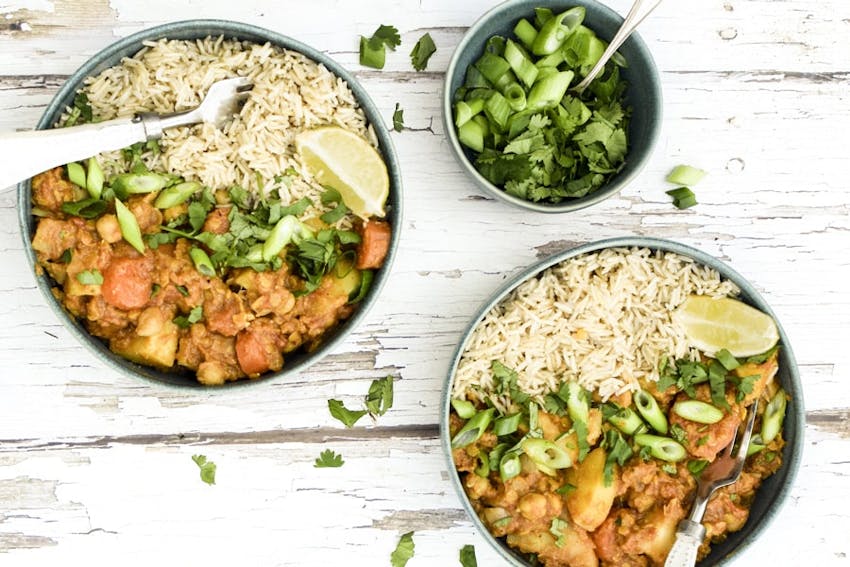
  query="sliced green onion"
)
[
  {"x": 471, "y": 135},
  {"x": 509, "y": 465},
  {"x": 506, "y": 425},
  {"x": 551, "y": 60},
  {"x": 463, "y": 408},
  {"x": 757, "y": 444},
  {"x": 553, "y": 33},
  {"x": 496, "y": 455},
  {"x": 697, "y": 411},
  {"x": 465, "y": 110},
  {"x": 492, "y": 67},
  {"x": 518, "y": 122},
  {"x": 176, "y": 194},
  {"x": 473, "y": 430},
  {"x": 497, "y": 110},
  {"x": 526, "y": 32},
  {"x": 475, "y": 80},
  {"x": 648, "y": 408},
  {"x": 90, "y": 277},
  {"x": 372, "y": 53},
  {"x": 515, "y": 95},
  {"x": 578, "y": 402},
  {"x": 202, "y": 262},
  {"x": 366, "y": 277},
  {"x": 533, "y": 416},
  {"x": 546, "y": 453},
  {"x": 686, "y": 175},
  {"x": 662, "y": 448},
  {"x": 76, "y": 174},
  {"x": 683, "y": 198},
  {"x": 127, "y": 183},
  {"x": 774, "y": 415},
  {"x": 627, "y": 421},
  {"x": 288, "y": 229},
  {"x": 541, "y": 16},
  {"x": 522, "y": 66},
  {"x": 725, "y": 358},
  {"x": 94, "y": 178},
  {"x": 129, "y": 226},
  {"x": 483, "y": 468},
  {"x": 548, "y": 91}
]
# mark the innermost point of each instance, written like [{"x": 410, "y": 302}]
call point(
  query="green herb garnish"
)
[
  {"x": 403, "y": 551},
  {"x": 185, "y": 321},
  {"x": 683, "y": 198},
  {"x": 555, "y": 529},
  {"x": 467, "y": 556},
  {"x": 343, "y": 414},
  {"x": 90, "y": 277},
  {"x": 328, "y": 459},
  {"x": 207, "y": 468},
  {"x": 380, "y": 397},
  {"x": 422, "y": 52},
  {"x": 398, "y": 118},
  {"x": 373, "y": 50}
]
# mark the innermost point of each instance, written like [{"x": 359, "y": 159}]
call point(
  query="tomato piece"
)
[
  {"x": 127, "y": 283},
  {"x": 374, "y": 245}
]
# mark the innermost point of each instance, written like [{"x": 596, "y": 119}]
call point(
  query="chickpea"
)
[
  {"x": 108, "y": 229},
  {"x": 533, "y": 506}
]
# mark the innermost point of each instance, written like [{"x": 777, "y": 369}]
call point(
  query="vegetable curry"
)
[
  {"x": 184, "y": 279},
  {"x": 574, "y": 482}
]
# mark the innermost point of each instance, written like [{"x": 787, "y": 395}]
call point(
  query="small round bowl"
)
[
  {"x": 198, "y": 29},
  {"x": 643, "y": 94},
  {"x": 772, "y": 493}
]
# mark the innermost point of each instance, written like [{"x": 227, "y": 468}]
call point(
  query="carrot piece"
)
[
  {"x": 127, "y": 283},
  {"x": 374, "y": 245},
  {"x": 251, "y": 354}
]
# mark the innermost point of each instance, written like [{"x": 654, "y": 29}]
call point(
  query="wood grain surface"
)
[{"x": 96, "y": 467}]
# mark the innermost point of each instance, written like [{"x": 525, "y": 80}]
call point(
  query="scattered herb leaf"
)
[
  {"x": 343, "y": 414},
  {"x": 207, "y": 468},
  {"x": 90, "y": 277},
  {"x": 403, "y": 551},
  {"x": 467, "y": 556},
  {"x": 380, "y": 397},
  {"x": 422, "y": 52},
  {"x": 328, "y": 459},
  {"x": 398, "y": 118}
]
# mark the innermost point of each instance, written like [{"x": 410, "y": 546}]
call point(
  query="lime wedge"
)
[
  {"x": 346, "y": 162},
  {"x": 712, "y": 324}
]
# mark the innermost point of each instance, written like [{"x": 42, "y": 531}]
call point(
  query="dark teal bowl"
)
[
  {"x": 643, "y": 94},
  {"x": 773, "y": 492},
  {"x": 198, "y": 29}
]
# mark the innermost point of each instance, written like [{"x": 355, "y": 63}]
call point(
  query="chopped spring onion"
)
[
  {"x": 492, "y": 67},
  {"x": 686, "y": 175},
  {"x": 546, "y": 453},
  {"x": 176, "y": 194},
  {"x": 757, "y": 444},
  {"x": 683, "y": 198},
  {"x": 773, "y": 416},
  {"x": 76, "y": 174},
  {"x": 522, "y": 66},
  {"x": 483, "y": 468},
  {"x": 728, "y": 361},
  {"x": 202, "y": 261},
  {"x": 509, "y": 465},
  {"x": 627, "y": 421},
  {"x": 129, "y": 226},
  {"x": 473, "y": 429},
  {"x": 506, "y": 425},
  {"x": 498, "y": 110},
  {"x": 556, "y": 29},
  {"x": 662, "y": 448},
  {"x": 94, "y": 178},
  {"x": 526, "y": 32},
  {"x": 548, "y": 91},
  {"x": 471, "y": 134},
  {"x": 648, "y": 408},
  {"x": 90, "y": 277},
  {"x": 465, "y": 110},
  {"x": 372, "y": 54},
  {"x": 697, "y": 411},
  {"x": 463, "y": 408},
  {"x": 578, "y": 402},
  {"x": 125, "y": 183},
  {"x": 287, "y": 229}
]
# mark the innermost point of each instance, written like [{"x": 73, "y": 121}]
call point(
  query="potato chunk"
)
[
  {"x": 156, "y": 350},
  {"x": 591, "y": 501}
]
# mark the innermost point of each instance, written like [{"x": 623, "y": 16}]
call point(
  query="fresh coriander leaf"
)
[
  {"x": 717, "y": 384},
  {"x": 343, "y": 414},
  {"x": 87, "y": 208},
  {"x": 334, "y": 214},
  {"x": 678, "y": 433},
  {"x": 197, "y": 215},
  {"x": 669, "y": 468},
  {"x": 580, "y": 428},
  {"x": 66, "y": 256},
  {"x": 329, "y": 459},
  {"x": 398, "y": 118},
  {"x": 90, "y": 277},
  {"x": 388, "y": 35},
  {"x": 184, "y": 291},
  {"x": 467, "y": 556},
  {"x": 404, "y": 550},
  {"x": 207, "y": 468},
  {"x": 619, "y": 452},
  {"x": 185, "y": 321},
  {"x": 422, "y": 52},
  {"x": 380, "y": 397},
  {"x": 297, "y": 208},
  {"x": 240, "y": 197},
  {"x": 763, "y": 357}
]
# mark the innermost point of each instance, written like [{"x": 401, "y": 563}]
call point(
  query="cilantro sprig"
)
[
  {"x": 207, "y": 468},
  {"x": 373, "y": 50},
  {"x": 377, "y": 402},
  {"x": 404, "y": 550},
  {"x": 328, "y": 459}
]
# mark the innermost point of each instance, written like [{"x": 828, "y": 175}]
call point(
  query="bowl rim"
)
[
  {"x": 565, "y": 206},
  {"x": 792, "y": 453},
  {"x": 127, "y": 46}
]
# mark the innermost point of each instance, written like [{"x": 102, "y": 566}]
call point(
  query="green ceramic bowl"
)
[
  {"x": 197, "y": 29},
  {"x": 643, "y": 94},
  {"x": 774, "y": 490}
]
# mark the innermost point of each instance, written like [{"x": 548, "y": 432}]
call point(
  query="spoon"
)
[
  {"x": 640, "y": 10},
  {"x": 31, "y": 152}
]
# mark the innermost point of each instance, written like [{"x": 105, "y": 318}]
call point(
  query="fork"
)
[
  {"x": 725, "y": 470},
  {"x": 31, "y": 152}
]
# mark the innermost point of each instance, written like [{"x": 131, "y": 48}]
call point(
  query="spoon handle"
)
[
  {"x": 689, "y": 536},
  {"x": 638, "y": 13}
]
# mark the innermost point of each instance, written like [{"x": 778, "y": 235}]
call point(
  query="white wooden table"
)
[{"x": 97, "y": 467}]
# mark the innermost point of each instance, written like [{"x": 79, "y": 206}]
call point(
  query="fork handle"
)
[
  {"x": 27, "y": 153},
  {"x": 689, "y": 536}
]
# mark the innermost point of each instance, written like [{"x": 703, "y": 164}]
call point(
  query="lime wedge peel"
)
[{"x": 711, "y": 324}]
